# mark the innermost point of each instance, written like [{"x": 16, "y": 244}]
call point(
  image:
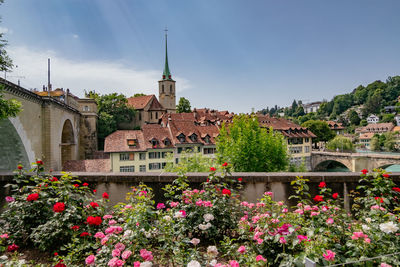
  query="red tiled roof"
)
[
  {"x": 286, "y": 127},
  {"x": 118, "y": 141},
  {"x": 139, "y": 102}
]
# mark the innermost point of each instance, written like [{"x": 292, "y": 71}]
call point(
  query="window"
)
[
  {"x": 167, "y": 142},
  {"x": 207, "y": 139},
  {"x": 163, "y": 165},
  {"x": 186, "y": 149},
  {"x": 170, "y": 88},
  {"x": 124, "y": 156},
  {"x": 296, "y": 149},
  {"x": 154, "y": 155},
  {"x": 140, "y": 116},
  {"x": 151, "y": 115},
  {"x": 154, "y": 166},
  {"x": 156, "y": 115},
  {"x": 86, "y": 108},
  {"x": 132, "y": 142},
  {"x": 162, "y": 88},
  {"x": 142, "y": 168},
  {"x": 182, "y": 138},
  {"x": 306, "y": 149},
  {"x": 127, "y": 169},
  {"x": 208, "y": 150},
  {"x": 306, "y": 140},
  {"x": 164, "y": 154},
  {"x": 154, "y": 142},
  {"x": 142, "y": 156},
  {"x": 193, "y": 137},
  {"x": 176, "y": 160}
]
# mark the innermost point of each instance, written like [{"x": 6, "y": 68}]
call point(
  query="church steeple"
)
[{"x": 166, "y": 73}]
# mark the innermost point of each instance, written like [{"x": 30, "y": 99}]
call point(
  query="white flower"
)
[
  {"x": 147, "y": 234},
  {"x": 146, "y": 264},
  {"x": 368, "y": 220},
  {"x": 193, "y": 264},
  {"x": 208, "y": 217},
  {"x": 178, "y": 214},
  {"x": 128, "y": 233},
  {"x": 212, "y": 250},
  {"x": 167, "y": 218},
  {"x": 365, "y": 227},
  {"x": 213, "y": 262},
  {"x": 204, "y": 227},
  {"x": 3, "y": 258},
  {"x": 195, "y": 241},
  {"x": 388, "y": 227}
]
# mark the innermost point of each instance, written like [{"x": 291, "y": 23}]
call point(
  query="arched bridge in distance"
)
[{"x": 355, "y": 162}]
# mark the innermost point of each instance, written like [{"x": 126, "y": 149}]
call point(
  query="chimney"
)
[
  {"x": 66, "y": 96},
  {"x": 48, "y": 77}
]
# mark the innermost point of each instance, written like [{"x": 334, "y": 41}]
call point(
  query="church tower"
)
[{"x": 166, "y": 86}]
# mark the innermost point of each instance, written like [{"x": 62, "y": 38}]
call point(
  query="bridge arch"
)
[
  {"x": 13, "y": 150},
  {"x": 67, "y": 142},
  {"x": 329, "y": 163}
]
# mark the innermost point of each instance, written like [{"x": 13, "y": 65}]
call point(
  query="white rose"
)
[
  {"x": 365, "y": 227},
  {"x": 3, "y": 258},
  {"x": 368, "y": 220},
  {"x": 195, "y": 241},
  {"x": 204, "y": 227},
  {"x": 128, "y": 233},
  {"x": 147, "y": 234},
  {"x": 146, "y": 264},
  {"x": 213, "y": 262},
  {"x": 193, "y": 264},
  {"x": 212, "y": 250},
  {"x": 178, "y": 214},
  {"x": 208, "y": 217},
  {"x": 388, "y": 227},
  {"x": 167, "y": 218}
]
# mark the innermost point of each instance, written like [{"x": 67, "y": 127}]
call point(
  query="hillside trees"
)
[
  {"x": 320, "y": 129},
  {"x": 250, "y": 148},
  {"x": 354, "y": 118}
]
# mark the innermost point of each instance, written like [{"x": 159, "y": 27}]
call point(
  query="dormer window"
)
[
  {"x": 182, "y": 138},
  {"x": 154, "y": 143},
  {"x": 132, "y": 142},
  {"x": 193, "y": 137},
  {"x": 167, "y": 142},
  {"x": 207, "y": 139}
]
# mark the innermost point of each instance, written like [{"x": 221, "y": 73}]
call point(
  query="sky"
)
[{"x": 234, "y": 55}]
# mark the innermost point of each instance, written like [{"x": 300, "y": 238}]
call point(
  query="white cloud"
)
[
  {"x": 5, "y": 30},
  {"x": 101, "y": 76},
  {"x": 75, "y": 36}
]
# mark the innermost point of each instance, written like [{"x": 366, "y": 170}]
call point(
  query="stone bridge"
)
[
  {"x": 355, "y": 162},
  {"x": 46, "y": 128}
]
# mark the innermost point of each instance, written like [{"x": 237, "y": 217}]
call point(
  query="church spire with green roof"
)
[{"x": 166, "y": 73}]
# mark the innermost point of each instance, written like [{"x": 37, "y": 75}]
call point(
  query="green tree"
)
[
  {"x": 390, "y": 142},
  {"x": 250, "y": 148},
  {"x": 374, "y": 144},
  {"x": 320, "y": 129},
  {"x": 183, "y": 106},
  {"x": 189, "y": 162},
  {"x": 113, "y": 111},
  {"x": 139, "y": 94},
  {"x": 374, "y": 103},
  {"x": 340, "y": 143},
  {"x": 354, "y": 118},
  {"x": 388, "y": 118},
  {"x": 299, "y": 112}
]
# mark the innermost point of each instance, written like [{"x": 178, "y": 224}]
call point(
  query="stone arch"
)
[
  {"x": 67, "y": 142},
  {"x": 325, "y": 164},
  {"x": 13, "y": 151},
  {"x": 384, "y": 165}
]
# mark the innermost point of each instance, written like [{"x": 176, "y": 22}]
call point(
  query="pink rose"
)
[
  {"x": 242, "y": 249},
  {"x": 282, "y": 240},
  {"x": 119, "y": 246},
  {"x": 126, "y": 254},
  {"x": 260, "y": 258},
  {"x": 160, "y": 206},
  {"x": 99, "y": 235},
  {"x": 116, "y": 253},
  {"x": 146, "y": 255},
  {"x": 112, "y": 222},
  {"x": 5, "y": 236},
  {"x": 174, "y": 204},
  {"x": 233, "y": 263},
  {"x": 136, "y": 264},
  {"x": 329, "y": 255},
  {"x": 329, "y": 221},
  {"x": 90, "y": 260}
]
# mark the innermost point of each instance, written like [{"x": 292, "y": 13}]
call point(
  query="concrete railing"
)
[{"x": 255, "y": 184}]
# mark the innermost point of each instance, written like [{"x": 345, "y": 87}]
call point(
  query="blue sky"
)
[{"x": 225, "y": 54}]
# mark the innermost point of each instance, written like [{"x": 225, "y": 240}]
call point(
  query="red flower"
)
[
  {"x": 386, "y": 175},
  {"x": 379, "y": 199},
  {"x": 85, "y": 184},
  {"x": 396, "y": 189},
  {"x": 94, "y": 204},
  {"x": 318, "y": 198},
  {"x": 55, "y": 254},
  {"x": 365, "y": 171},
  {"x": 39, "y": 162},
  {"x": 240, "y": 179},
  {"x": 12, "y": 248},
  {"x": 60, "y": 264},
  {"x": 94, "y": 220},
  {"x": 224, "y": 164},
  {"x": 75, "y": 227},
  {"x": 19, "y": 167},
  {"x": 59, "y": 207},
  {"x": 212, "y": 169},
  {"x": 322, "y": 185},
  {"x": 76, "y": 185},
  {"x": 33, "y": 197},
  {"x": 226, "y": 192},
  {"x": 335, "y": 195},
  {"x": 105, "y": 195},
  {"x": 84, "y": 234},
  {"x": 208, "y": 180},
  {"x": 54, "y": 179},
  {"x": 94, "y": 191}
]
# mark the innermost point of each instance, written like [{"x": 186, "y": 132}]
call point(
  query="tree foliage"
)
[
  {"x": 354, "y": 118},
  {"x": 189, "y": 162},
  {"x": 139, "y": 94},
  {"x": 341, "y": 143},
  {"x": 113, "y": 111},
  {"x": 320, "y": 129},
  {"x": 250, "y": 148},
  {"x": 183, "y": 106}
]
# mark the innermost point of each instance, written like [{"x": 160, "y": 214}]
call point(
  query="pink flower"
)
[
  {"x": 207, "y": 204},
  {"x": 183, "y": 213},
  {"x": 329, "y": 221},
  {"x": 10, "y": 199},
  {"x": 160, "y": 206},
  {"x": 146, "y": 255},
  {"x": 367, "y": 240},
  {"x": 313, "y": 213},
  {"x": 136, "y": 264},
  {"x": 116, "y": 253},
  {"x": 357, "y": 235},
  {"x": 112, "y": 222},
  {"x": 143, "y": 193},
  {"x": 119, "y": 246},
  {"x": 5, "y": 236},
  {"x": 242, "y": 249},
  {"x": 260, "y": 258},
  {"x": 104, "y": 241},
  {"x": 199, "y": 202},
  {"x": 107, "y": 216},
  {"x": 118, "y": 229},
  {"x": 299, "y": 211},
  {"x": 375, "y": 207},
  {"x": 195, "y": 241},
  {"x": 282, "y": 240},
  {"x": 280, "y": 203},
  {"x": 329, "y": 255},
  {"x": 174, "y": 204},
  {"x": 271, "y": 194},
  {"x": 302, "y": 237},
  {"x": 128, "y": 207},
  {"x": 110, "y": 230},
  {"x": 99, "y": 235},
  {"x": 233, "y": 263},
  {"x": 126, "y": 254},
  {"x": 285, "y": 210},
  {"x": 90, "y": 260},
  {"x": 383, "y": 264},
  {"x": 307, "y": 208}
]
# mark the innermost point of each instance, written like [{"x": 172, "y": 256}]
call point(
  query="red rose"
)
[
  {"x": 365, "y": 171},
  {"x": 54, "y": 179},
  {"x": 224, "y": 164},
  {"x": 318, "y": 198},
  {"x": 59, "y": 207},
  {"x": 208, "y": 180},
  {"x": 94, "y": 204},
  {"x": 379, "y": 199},
  {"x": 212, "y": 169},
  {"x": 85, "y": 184},
  {"x": 240, "y": 179},
  {"x": 75, "y": 227},
  {"x": 76, "y": 185},
  {"x": 12, "y": 248},
  {"x": 19, "y": 167},
  {"x": 335, "y": 195},
  {"x": 396, "y": 189},
  {"x": 55, "y": 254},
  {"x": 105, "y": 195},
  {"x": 33, "y": 197},
  {"x": 226, "y": 192},
  {"x": 322, "y": 185},
  {"x": 386, "y": 175},
  {"x": 94, "y": 220},
  {"x": 39, "y": 162},
  {"x": 94, "y": 191},
  {"x": 84, "y": 234},
  {"x": 60, "y": 264}
]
